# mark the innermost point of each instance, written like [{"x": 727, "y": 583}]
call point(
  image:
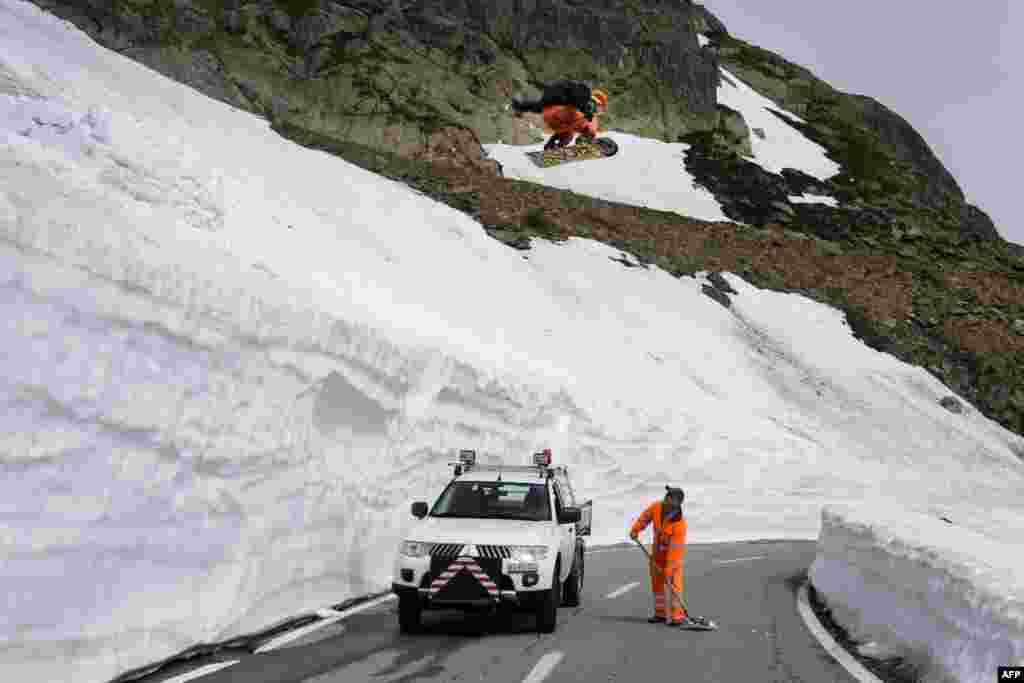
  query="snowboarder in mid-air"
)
[{"x": 569, "y": 108}]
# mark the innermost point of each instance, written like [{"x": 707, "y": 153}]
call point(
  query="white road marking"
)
[
  {"x": 330, "y": 616},
  {"x": 606, "y": 549},
  {"x": 852, "y": 666},
  {"x": 201, "y": 671},
  {"x": 741, "y": 559},
  {"x": 543, "y": 668},
  {"x": 619, "y": 591}
]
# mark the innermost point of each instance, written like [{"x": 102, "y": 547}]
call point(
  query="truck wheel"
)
[
  {"x": 574, "y": 584},
  {"x": 547, "y": 610},
  {"x": 409, "y": 611}
]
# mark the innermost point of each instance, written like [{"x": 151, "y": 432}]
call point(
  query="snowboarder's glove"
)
[{"x": 633, "y": 535}]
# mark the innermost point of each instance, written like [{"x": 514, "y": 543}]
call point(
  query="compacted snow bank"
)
[{"x": 926, "y": 586}]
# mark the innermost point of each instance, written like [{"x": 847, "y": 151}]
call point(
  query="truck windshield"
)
[{"x": 494, "y": 500}]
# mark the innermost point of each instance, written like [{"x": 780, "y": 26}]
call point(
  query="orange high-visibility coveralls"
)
[
  {"x": 666, "y": 559},
  {"x": 566, "y": 121}
]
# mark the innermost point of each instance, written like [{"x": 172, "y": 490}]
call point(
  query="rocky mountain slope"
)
[{"x": 411, "y": 89}]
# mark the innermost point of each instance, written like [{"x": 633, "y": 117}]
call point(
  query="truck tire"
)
[
  {"x": 547, "y": 609},
  {"x": 574, "y": 583},
  {"x": 409, "y": 612}
]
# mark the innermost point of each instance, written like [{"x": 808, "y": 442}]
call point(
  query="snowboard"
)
[{"x": 598, "y": 149}]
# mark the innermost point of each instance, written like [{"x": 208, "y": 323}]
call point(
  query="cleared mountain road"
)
[{"x": 749, "y": 588}]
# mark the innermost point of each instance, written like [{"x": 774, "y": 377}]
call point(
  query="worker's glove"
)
[{"x": 633, "y": 535}]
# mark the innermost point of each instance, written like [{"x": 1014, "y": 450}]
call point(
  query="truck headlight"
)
[
  {"x": 528, "y": 553},
  {"x": 415, "y": 548}
]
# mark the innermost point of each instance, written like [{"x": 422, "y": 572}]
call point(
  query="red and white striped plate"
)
[{"x": 460, "y": 564}]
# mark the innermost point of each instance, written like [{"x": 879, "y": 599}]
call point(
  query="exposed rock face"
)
[
  {"x": 976, "y": 224},
  {"x": 733, "y": 131},
  {"x": 358, "y": 68},
  {"x": 893, "y": 130}
]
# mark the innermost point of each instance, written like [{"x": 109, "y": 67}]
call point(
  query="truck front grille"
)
[
  {"x": 446, "y": 550},
  {"x": 494, "y": 552}
]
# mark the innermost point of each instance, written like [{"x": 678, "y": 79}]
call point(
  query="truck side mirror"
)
[
  {"x": 419, "y": 509},
  {"x": 569, "y": 516}
]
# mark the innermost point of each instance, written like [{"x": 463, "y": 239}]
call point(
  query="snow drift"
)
[{"x": 922, "y": 586}]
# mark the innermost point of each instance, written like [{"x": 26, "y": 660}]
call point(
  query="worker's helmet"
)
[{"x": 600, "y": 97}]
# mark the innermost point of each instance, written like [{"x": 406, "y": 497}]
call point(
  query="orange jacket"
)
[
  {"x": 669, "y": 539},
  {"x": 563, "y": 118}
]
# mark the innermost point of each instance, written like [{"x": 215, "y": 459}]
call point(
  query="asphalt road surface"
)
[{"x": 749, "y": 589}]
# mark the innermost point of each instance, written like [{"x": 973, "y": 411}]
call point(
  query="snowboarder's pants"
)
[{"x": 665, "y": 577}]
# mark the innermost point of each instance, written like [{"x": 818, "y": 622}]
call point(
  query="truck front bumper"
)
[{"x": 505, "y": 598}]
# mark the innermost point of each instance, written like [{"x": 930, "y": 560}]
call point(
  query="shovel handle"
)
[{"x": 671, "y": 589}]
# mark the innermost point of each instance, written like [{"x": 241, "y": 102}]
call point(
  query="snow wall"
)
[
  {"x": 204, "y": 466},
  {"x": 947, "y": 598}
]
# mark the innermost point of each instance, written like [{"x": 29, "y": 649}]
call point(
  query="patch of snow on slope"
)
[
  {"x": 813, "y": 199},
  {"x": 645, "y": 172},
  {"x": 782, "y": 146}
]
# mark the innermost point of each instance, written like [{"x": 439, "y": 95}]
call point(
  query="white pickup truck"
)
[{"x": 497, "y": 537}]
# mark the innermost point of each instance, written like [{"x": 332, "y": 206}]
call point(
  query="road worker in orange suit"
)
[{"x": 667, "y": 554}]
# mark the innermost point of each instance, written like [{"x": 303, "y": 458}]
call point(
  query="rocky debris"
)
[
  {"x": 718, "y": 289},
  {"x": 952, "y": 405},
  {"x": 458, "y": 147},
  {"x": 626, "y": 261},
  {"x": 801, "y": 183},
  {"x": 733, "y": 131}
]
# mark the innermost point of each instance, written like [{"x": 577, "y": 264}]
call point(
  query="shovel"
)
[{"x": 696, "y": 623}]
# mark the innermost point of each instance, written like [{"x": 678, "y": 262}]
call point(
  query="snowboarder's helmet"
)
[{"x": 600, "y": 97}]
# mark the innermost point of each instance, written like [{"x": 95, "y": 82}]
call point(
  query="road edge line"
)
[
  {"x": 838, "y": 652},
  {"x": 544, "y": 666},
  {"x": 622, "y": 590},
  {"x": 288, "y": 637},
  {"x": 741, "y": 559},
  {"x": 201, "y": 671}
]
